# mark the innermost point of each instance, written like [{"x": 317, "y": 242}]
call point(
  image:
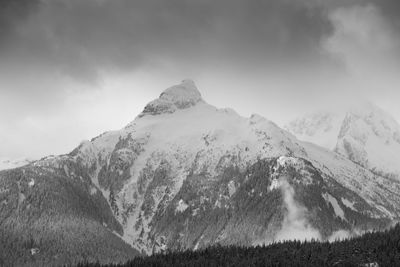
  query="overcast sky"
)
[{"x": 71, "y": 69}]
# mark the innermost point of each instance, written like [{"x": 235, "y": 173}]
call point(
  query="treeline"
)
[
  {"x": 371, "y": 249},
  {"x": 56, "y": 221}
]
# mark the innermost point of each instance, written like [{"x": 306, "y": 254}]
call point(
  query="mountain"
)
[
  {"x": 50, "y": 219},
  {"x": 365, "y": 134},
  {"x": 10, "y": 164},
  {"x": 321, "y": 128},
  {"x": 186, "y": 175}
]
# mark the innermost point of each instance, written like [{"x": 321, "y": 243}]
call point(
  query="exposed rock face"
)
[
  {"x": 182, "y": 96},
  {"x": 185, "y": 175}
]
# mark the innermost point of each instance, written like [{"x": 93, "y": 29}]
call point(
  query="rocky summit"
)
[{"x": 186, "y": 175}]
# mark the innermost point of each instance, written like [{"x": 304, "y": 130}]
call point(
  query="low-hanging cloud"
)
[{"x": 295, "y": 225}]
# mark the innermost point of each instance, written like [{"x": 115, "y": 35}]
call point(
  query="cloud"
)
[
  {"x": 390, "y": 10},
  {"x": 12, "y": 12},
  {"x": 285, "y": 57},
  {"x": 295, "y": 225},
  {"x": 364, "y": 40},
  {"x": 83, "y": 38},
  {"x": 339, "y": 235}
]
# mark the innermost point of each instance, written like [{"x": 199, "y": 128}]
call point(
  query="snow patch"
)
[
  {"x": 348, "y": 204},
  {"x": 218, "y": 204},
  {"x": 181, "y": 207},
  {"x": 284, "y": 161},
  {"x": 93, "y": 190},
  {"x": 231, "y": 188},
  {"x": 385, "y": 211},
  {"x": 196, "y": 247},
  {"x": 274, "y": 184},
  {"x": 31, "y": 182},
  {"x": 34, "y": 251},
  {"x": 6, "y": 164},
  {"x": 338, "y": 210},
  {"x": 195, "y": 211}
]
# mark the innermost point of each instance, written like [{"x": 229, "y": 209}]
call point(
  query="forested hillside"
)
[{"x": 371, "y": 249}]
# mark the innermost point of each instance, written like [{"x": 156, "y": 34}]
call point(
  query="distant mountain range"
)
[
  {"x": 10, "y": 163},
  {"x": 365, "y": 134},
  {"x": 186, "y": 175}
]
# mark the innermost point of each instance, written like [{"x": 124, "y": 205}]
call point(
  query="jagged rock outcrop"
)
[{"x": 182, "y": 96}]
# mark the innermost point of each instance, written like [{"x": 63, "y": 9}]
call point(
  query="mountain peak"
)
[{"x": 181, "y": 96}]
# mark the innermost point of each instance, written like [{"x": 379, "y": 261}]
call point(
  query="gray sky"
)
[{"x": 71, "y": 69}]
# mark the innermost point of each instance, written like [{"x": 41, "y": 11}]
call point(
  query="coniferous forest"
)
[{"x": 371, "y": 249}]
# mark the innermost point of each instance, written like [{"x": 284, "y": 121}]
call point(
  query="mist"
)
[{"x": 295, "y": 225}]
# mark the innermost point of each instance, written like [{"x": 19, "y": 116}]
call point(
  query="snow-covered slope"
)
[
  {"x": 185, "y": 174},
  {"x": 145, "y": 166},
  {"x": 321, "y": 128},
  {"x": 365, "y": 134},
  {"x": 10, "y": 164},
  {"x": 192, "y": 137}
]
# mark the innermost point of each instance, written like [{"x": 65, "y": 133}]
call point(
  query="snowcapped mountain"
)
[
  {"x": 10, "y": 164},
  {"x": 365, "y": 134},
  {"x": 321, "y": 128},
  {"x": 185, "y": 175}
]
